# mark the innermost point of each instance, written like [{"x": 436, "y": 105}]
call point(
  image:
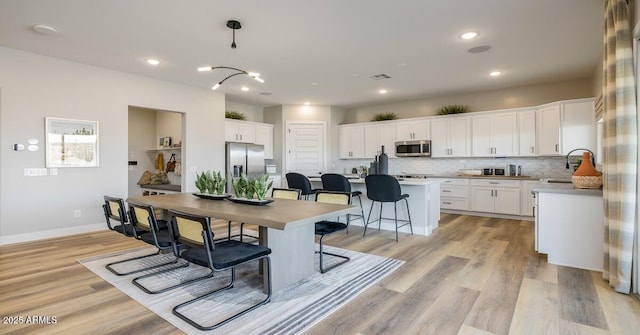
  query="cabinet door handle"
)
[
  {"x": 494, "y": 182},
  {"x": 446, "y": 203},
  {"x": 556, "y": 148},
  {"x": 446, "y": 191},
  {"x": 495, "y": 193},
  {"x": 492, "y": 193},
  {"x": 532, "y": 149}
]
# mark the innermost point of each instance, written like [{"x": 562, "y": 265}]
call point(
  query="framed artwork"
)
[{"x": 71, "y": 143}]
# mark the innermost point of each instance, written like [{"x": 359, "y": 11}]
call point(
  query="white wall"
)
[
  {"x": 253, "y": 113},
  {"x": 515, "y": 97},
  {"x": 142, "y": 137},
  {"x": 34, "y": 86}
]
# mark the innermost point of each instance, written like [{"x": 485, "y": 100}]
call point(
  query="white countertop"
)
[
  {"x": 412, "y": 182},
  {"x": 565, "y": 188}
]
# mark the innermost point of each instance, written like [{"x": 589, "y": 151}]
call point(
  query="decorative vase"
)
[{"x": 586, "y": 176}]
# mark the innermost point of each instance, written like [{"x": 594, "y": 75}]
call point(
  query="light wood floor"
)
[{"x": 472, "y": 276}]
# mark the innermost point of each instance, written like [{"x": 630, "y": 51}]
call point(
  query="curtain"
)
[{"x": 620, "y": 146}]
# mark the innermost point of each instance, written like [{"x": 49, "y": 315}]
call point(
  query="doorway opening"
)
[{"x": 154, "y": 138}]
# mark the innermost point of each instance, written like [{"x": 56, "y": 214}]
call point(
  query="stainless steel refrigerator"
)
[{"x": 243, "y": 158}]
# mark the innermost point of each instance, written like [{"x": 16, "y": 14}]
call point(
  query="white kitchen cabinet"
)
[
  {"x": 414, "y": 129},
  {"x": 569, "y": 228},
  {"x": 454, "y": 194},
  {"x": 564, "y": 126},
  {"x": 239, "y": 131},
  {"x": 527, "y": 199},
  {"x": 377, "y": 135},
  {"x": 527, "y": 132},
  {"x": 450, "y": 137},
  {"x": 495, "y": 196},
  {"x": 495, "y": 134},
  {"x": 351, "y": 141},
  {"x": 264, "y": 136}
]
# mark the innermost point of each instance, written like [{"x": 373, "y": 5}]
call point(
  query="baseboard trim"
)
[
  {"x": 41, "y": 235},
  {"x": 488, "y": 215}
]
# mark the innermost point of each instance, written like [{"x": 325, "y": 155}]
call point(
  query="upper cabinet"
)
[
  {"x": 527, "y": 132},
  {"x": 548, "y": 130},
  {"x": 250, "y": 132},
  {"x": 377, "y": 135},
  {"x": 450, "y": 137},
  {"x": 564, "y": 126},
  {"x": 239, "y": 131},
  {"x": 351, "y": 141},
  {"x": 264, "y": 136},
  {"x": 414, "y": 129},
  {"x": 495, "y": 134}
]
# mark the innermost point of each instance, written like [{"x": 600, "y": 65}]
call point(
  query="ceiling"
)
[{"x": 322, "y": 52}]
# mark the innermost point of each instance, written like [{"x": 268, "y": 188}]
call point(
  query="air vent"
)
[{"x": 379, "y": 76}]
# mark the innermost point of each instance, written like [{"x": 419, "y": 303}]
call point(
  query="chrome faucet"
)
[{"x": 593, "y": 157}]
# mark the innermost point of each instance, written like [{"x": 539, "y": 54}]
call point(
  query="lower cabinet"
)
[
  {"x": 454, "y": 194},
  {"x": 496, "y": 196}
]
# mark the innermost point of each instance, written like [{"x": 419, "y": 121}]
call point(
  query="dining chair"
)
[
  {"x": 147, "y": 228},
  {"x": 385, "y": 188},
  {"x": 301, "y": 182},
  {"x": 194, "y": 232},
  {"x": 116, "y": 216},
  {"x": 340, "y": 183},
  {"x": 286, "y": 193},
  {"x": 326, "y": 227}
]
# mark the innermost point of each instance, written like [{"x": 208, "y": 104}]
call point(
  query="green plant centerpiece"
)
[
  {"x": 211, "y": 183},
  {"x": 240, "y": 186},
  {"x": 235, "y": 115},
  {"x": 261, "y": 187},
  {"x": 219, "y": 183},
  {"x": 202, "y": 183},
  {"x": 384, "y": 117},
  {"x": 453, "y": 109}
]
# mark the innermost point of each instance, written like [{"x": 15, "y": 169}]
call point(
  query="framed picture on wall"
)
[{"x": 71, "y": 143}]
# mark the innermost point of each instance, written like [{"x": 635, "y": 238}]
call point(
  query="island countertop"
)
[{"x": 565, "y": 189}]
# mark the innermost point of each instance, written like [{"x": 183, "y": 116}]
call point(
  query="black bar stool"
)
[
  {"x": 385, "y": 188},
  {"x": 301, "y": 182},
  {"x": 339, "y": 183}
]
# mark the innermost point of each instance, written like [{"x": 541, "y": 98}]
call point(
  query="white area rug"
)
[{"x": 290, "y": 311}]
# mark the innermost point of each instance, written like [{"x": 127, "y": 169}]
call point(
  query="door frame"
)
[{"x": 287, "y": 139}]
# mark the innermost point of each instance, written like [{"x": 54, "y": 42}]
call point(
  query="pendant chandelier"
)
[{"x": 233, "y": 25}]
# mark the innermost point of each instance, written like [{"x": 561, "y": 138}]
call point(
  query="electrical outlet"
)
[{"x": 77, "y": 213}]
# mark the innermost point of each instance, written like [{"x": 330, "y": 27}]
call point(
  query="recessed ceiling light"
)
[
  {"x": 495, "y": 73},
  {"x": 307, "y": 103},
  {"x": 152, "y": 61},
  {"x": 469, "y": 35},
  {"x": 45, "y": 29},
  {"x": 244, "y": 88},
  {"x": 382, "y": 91}
]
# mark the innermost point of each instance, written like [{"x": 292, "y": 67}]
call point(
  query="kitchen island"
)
[
  {"x": 424, "y": 205},
  {"x": 569, "y": 225}
]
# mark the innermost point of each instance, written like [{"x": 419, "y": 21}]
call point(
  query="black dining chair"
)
[
  {"x": 326, "y": 227},
  {"x": 385, "y": 188},
  {"x": 116, "y": 216},
  {"x": 195, "y": 234},
  {"x": 301, "y": 182},
  {"x": 339, "y": 183}
]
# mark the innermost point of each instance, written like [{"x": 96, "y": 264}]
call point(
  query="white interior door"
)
[{"x": 306, "y": 147}]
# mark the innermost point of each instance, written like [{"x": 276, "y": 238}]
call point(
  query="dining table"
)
[{"x": 285, "y": 226}]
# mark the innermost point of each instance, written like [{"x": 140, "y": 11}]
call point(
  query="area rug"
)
[{"x": 290, "y": 311}]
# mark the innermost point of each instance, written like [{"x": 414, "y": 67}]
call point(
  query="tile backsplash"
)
[{"x": 536, "y": 167}]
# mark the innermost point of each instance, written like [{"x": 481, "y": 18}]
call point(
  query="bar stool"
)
[
  {"x": 301, "y": 182},
  {"x": 339, "y": 183},
  {"x": 385, "y": 188}
]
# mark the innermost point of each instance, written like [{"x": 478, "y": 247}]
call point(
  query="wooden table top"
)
[{"x": 279, "y": 214}]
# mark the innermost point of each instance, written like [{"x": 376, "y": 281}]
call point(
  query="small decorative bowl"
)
[{"x": 586, "y": 181}]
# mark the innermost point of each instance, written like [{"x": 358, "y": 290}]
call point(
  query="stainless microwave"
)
[{"x": 413, "y": 148}]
